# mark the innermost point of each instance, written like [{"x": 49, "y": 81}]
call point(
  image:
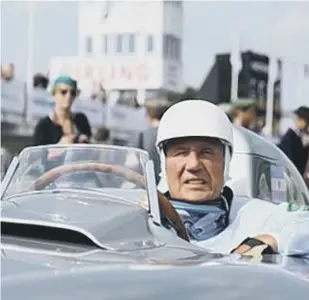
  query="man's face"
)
[{"x": 194, "y": 168}]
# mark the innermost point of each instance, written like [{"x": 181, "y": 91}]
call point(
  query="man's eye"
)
[
  {"x": 206, "y": 151},
  {"x": 180, "y": 153}
]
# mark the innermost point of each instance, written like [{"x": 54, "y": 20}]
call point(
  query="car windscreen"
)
[{"x": 87, "y": 167}]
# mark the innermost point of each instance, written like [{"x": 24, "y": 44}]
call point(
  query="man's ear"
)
[{"x": 227, "y": 161}]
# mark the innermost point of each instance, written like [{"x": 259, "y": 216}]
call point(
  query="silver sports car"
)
[{"x": 72, "y": 227}]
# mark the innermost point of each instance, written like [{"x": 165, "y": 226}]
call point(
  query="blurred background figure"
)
[
  {"x": 102, "y": 136},
  {"x": 7, "y": 72},
  {"x": 61, "y": 126},
  {"x": 40, "y": 81},
  {"x": 294, "y": 142},
  {"x": 146, "y": 139},
  {"x": 244, "y": 113},
  {"x": 101, "y": 93}
]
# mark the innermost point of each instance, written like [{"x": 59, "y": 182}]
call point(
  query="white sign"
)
[
  {"x": 259, "y": 66},
  {"x": 112, "y": 73},
  {"x": 124, "y": 118},
  {"x": 173, "y": 77},
  {"x": 40, "y": 104},
  {"x": 12, "y": 98},
  {"x": 295, "y": 85},
  {"x": 92, "y": 108}
]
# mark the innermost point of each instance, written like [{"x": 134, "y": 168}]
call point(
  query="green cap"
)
[
  {"x": 244, "y": 103},
  {"x": 66, "y": 80}
]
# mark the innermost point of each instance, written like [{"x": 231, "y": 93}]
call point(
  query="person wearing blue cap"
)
[{"x": 61, "y": 125}]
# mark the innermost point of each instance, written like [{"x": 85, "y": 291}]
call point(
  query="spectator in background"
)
[
  {"x": 293, "y": 142},
  {"x": 40, "y": 81},
  {"x": 135, "y": 103},
  {"x": 61, "y": 125},
  {"x": 99, "y": 93},
  {"x": 102, "y": 136},
  {"x": 8, "y": 72},
  {"x": 146, "y": 139},
  {"x": 244, "y": 113}
]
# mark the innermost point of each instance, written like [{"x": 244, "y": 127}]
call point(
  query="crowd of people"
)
[
  {"x": 294, "y": 142},
  {"x": 62, "y": 126}
]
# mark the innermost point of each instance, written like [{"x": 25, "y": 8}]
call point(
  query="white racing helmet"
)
[{"x": 194, "y": 118}]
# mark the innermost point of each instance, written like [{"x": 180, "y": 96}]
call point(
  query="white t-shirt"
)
[{"x": 290, "y": 229}]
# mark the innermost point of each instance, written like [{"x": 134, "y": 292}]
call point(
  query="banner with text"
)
[{"x": 119, "y": 73}]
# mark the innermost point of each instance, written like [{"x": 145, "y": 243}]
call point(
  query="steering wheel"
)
[
  {"x": 59, "y": 171},
  {"x": 165, "y": 206}
]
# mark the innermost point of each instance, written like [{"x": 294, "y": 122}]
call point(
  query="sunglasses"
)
[{"x": 64, "y": 92}]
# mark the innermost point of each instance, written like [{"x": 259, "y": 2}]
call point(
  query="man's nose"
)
[{"x": 193, "y": 162}]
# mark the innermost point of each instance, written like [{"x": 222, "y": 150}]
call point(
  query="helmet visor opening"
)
[{"x": 178, "y": 141}]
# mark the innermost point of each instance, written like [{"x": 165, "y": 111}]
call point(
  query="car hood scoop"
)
[{"x": 104, "y": 221}]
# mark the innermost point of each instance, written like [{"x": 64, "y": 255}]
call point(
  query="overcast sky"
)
[{"x": 280, "y": 28}]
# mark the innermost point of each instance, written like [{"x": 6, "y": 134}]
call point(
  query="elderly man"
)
[{"x": 195, "y": 142}]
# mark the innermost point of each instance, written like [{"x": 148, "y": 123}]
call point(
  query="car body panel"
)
[
  {"x": 83, "y": 213},
  {"x": 129, "y": 256},
  {"x": 160, "y": 281},
  {"x": 251, "y": 151}
]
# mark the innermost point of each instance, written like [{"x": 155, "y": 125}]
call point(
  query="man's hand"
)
[
  {"x": 269, "y": 240},
  {"x": 83, "y": 139},
  {"x": 67, "y": 139},
  {"x": 255, "y": 253},
  {"x": 265, "y": 238}
]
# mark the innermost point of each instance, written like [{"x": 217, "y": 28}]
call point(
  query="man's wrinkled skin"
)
[{"x": 194, "y": 169}]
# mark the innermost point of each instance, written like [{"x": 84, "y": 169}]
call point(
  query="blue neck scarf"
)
[{"x": 205, "y": 220}]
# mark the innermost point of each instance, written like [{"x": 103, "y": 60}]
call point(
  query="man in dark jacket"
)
[
  {"x": 293, "y": 142},
  {"x": 146, "y": 139}
]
